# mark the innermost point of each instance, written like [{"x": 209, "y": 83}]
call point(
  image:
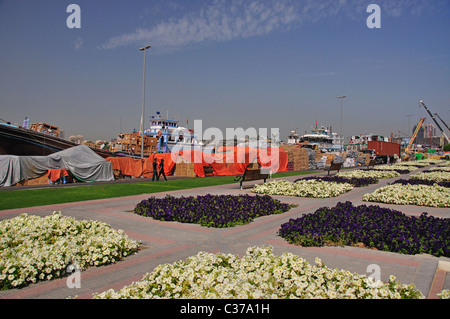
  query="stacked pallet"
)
[
  {"x": 289, "y": 149},
  {"x": 131, "y": 143},
  {"x": 297, "y": 156},
  {"x": 45, "y": 128},
  {"x": 41, "y": 180},
  {"x": 184, "y": 168},
  {"x": 367, "y": 158},
  {"x": 318, "y": 155},
  {"x": 301, "y": 159}
]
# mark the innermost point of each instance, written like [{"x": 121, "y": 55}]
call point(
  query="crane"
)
[
  {"x": 440, "y": 128},
  {"x": 419, "y": 125},
  {"x": 442, "y": 121}
]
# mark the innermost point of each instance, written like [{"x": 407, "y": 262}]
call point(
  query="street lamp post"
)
[
  {"x": 143, "y": 101},
  {"x": 341, "y": 136}
]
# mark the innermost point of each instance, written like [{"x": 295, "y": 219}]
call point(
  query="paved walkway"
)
[{"x": 167, "y": 242}]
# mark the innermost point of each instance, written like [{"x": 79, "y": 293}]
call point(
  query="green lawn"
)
[{"x": 10, "y": 199}]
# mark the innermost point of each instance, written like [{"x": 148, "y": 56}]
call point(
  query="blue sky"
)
[{"x": 262, "y": 64}]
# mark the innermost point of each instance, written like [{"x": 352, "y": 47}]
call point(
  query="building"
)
[{"x": 429, "y": 130}]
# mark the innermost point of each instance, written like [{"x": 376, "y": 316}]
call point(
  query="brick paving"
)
[{"x": 167, "y": 242}]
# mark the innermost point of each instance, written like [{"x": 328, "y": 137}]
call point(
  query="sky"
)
[{"x": 230, "y": 63}]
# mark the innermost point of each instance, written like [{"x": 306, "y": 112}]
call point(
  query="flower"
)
[
  {"x": 354, "y": 181},
  {"x": 438, "y": 176},
  {"x": 303, "y": 188},
  {"x": 444, "y": 294},
  {"x": 275, "y": 277},
  {"x": 36, "y": 248},
  {"x": 373, "y": 226},
  {"x": 410, "y": 194},
  {"x": 211, "y": 210},
  {"x": 372, "y": 173}
]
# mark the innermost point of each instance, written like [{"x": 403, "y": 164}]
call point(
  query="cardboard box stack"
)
[
  {"x": 318, "y": 155},
  {"x": 297, "y": 156},
  {"x": 367, "y": 156},
  {"x": 184, "y": 168},
  {"x": 301, "y": 160}
]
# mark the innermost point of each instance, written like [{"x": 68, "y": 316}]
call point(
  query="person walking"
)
[
  {"x": 155, "y": 171},
  {"x": 161, "y": 169}
]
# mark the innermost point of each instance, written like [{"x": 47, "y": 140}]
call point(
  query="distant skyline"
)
[{"x": 231, "y": 63}]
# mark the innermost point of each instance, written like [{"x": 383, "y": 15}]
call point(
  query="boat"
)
[
  {"x": 17, "y": 140},
  {"x": 325, "y": 140},
  {"x": 293, "y": 138},
  {"x": 171, "y": 135}
]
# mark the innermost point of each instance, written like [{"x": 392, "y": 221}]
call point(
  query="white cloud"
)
[
  {"x": 220, "y": 21},
  {"x": 78, "y": 43},
  {"x": 223, "y": 20}
]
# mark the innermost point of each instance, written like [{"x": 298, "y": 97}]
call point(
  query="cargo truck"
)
[{"x": 385, "y": 151}]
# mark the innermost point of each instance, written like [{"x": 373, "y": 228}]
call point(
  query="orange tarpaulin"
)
[
  {"x": 196, "y": 157},
  {"x": 227, "y": 161},
  {"x": 137, "y": 167},
  {"x": 127, "y": 165},
  {"x": 55, "y": 174},
  {"x": 234, "y": 160},
  {"x": 274, "y": 159},
  {"x": 169, "y": 163}
]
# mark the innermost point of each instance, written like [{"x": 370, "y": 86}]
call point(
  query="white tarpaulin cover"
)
[{"x": 80, "y": 160}]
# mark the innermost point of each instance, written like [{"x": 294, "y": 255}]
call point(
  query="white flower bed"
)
[
  {"x": 444, "y": 294},
  {"x": 396, "y": 166},
  {"x": 260, "y": 275},
  {"x": 422, "y": 195},
  {"x": 34, "y": 248},
  {"x": 433, "y": 161},
  {"x": 443, "y": 163},
  {"x": 433, "y": 176},
  {"x": 378, "y": 174},
  {"x": 303, "y": 188},
  {"x": 421, "y": 163}
]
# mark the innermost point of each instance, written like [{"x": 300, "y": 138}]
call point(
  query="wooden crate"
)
[
  {"x": 41, "y": 180},
  {"x": 184, "y": 169}
]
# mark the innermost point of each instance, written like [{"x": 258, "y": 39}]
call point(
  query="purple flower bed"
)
[
  {"x": 356, "y": 182},
  {"x": 421, "y": 182},
  {"x": 211, "y": 210},
  {"x": 374, "y": 226}
]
